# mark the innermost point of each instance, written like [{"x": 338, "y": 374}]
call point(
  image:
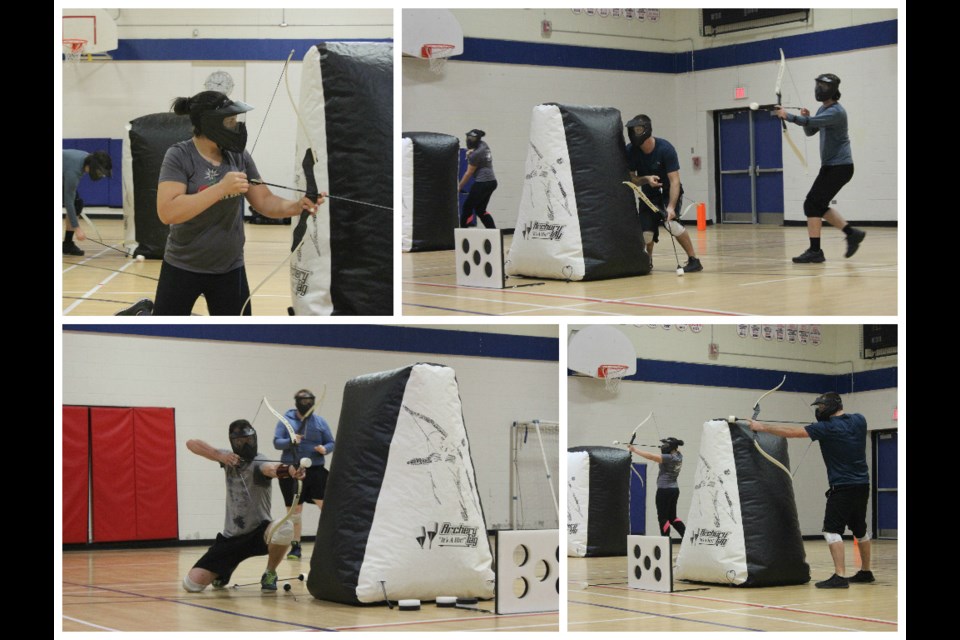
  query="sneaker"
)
[
  {"x": 854, "y": 238},
  {"x": 833, "y": 582},
  {"x": 142, "y": 307},
  {"x": 268, "y": 582},
  {"x": 295, "y": 551},
  {"x": 71, "y": 249},
  {"x": 693, "y": 265},
  {"x": 809, "y": 256},
  {"x": 862, "y": 576}
]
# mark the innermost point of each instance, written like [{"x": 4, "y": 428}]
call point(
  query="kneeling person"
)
[{"x": 247, "y": 530}]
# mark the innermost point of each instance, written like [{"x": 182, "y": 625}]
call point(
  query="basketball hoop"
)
[
  {"x": 612, "y": 375},
  {"x": 73, "y": 49},
  {"x": 437, "y": 54}
]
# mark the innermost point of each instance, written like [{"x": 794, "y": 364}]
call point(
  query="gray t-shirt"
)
[
  {"x": 248, "y": 497},
  {"x": 212, "y": 242},
  {"x": 482, "y": 159},
  {"x": 831, "y": 123},
  {"x": 669, "y": 470}
]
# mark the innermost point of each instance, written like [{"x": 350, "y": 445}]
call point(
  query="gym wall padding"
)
[
  {"x": 435, "y": 160},
  {"x": 155, "y": 457},
  {"x": 345, "y": 267},
  {"x": 742, "y": 529},
  {"x": 113, "y": 475},
  {"x": 76, "y": 458},
  {"x": 402, "y": 503},
  {"x": 577, "y": 221},
  {"x": 132, "y": 466},
  {"x": 608, "y": 515},
  {"x": 149, "y": 137}
]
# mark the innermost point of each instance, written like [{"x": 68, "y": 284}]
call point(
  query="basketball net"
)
[
  {"x": 612, "y": 375},
  {"x": 437, "y": 55},
  {"x": 73, "y": 49}
]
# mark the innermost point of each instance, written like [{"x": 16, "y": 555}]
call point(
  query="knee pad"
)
[
  {"x": 282, "y": 535},
  {"x": 813, "y": 210},
  {"x": 865, "y": 538},
  {"x": 648, "y": 237},
  {"x": 191, "y": 586},
  {"x": 674, "y": 228},
  {"x": 832, "y": 537}
]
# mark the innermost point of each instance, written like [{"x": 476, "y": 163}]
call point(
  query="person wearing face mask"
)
[
  {"x": 76, "y": 163},
  {"x": 668, "y": 491},
  {"x": 247, "y": 530},
  {"x": 480, "y": 168},
  {"x": 843, "y": 444},
  {"x": 202, "y": 186},
  {"x": 836, "y": 167},
  {"x": 313, "y": 440}
]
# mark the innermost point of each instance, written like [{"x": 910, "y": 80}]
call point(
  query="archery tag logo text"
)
[{"x": 710, "y": 537}]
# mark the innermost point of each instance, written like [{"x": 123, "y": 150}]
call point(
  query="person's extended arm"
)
[
  {"x": 175, "y": 205},
  {"x": 783, "y": 430},
  {"x": 653, "y": 457},
  {"x": 471, "y": 168},
  {"x": 273, "y": 206},
  {"x": 204, "y": 450},
  {"x": 674, "y": 177}
]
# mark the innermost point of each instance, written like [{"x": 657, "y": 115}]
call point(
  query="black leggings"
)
[
  {"x": 667, "y": 511},
  {"x": 476, "y": 204},
  {"x": 179, "y": 289}
]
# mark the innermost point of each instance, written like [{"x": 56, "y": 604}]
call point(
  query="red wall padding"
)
[
  {"x": 114, "y": 473},
  {"x": 155, "y": 458},
  {"x": 75, "y": 480}
]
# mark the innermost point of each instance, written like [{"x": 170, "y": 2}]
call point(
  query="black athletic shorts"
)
[
  {"x": 226, "y": 553},
  {"x": 314, "y": 486},
  {"x": 826, "y": 187},
  {"x": 651, "y": 221},
  {"x": 847, "y": 507}
]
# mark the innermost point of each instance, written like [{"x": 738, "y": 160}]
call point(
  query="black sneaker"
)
[
  {"x": 693, "y": 265},
  {"x": 810, "y": 256},
  {"x": 862, "y": 576},
  {"x": 140, "y": 308},
  {"x": 71, "y": 249},
  {"x": 295, "y": 551},
  {"x": 834, "y": 582},
  {"x": 854, "y": 238}
]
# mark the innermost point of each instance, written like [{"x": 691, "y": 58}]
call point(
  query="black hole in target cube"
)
[
  {"x": 476, "y": 258},
  {"x": 466, "y": 267},
  {"x": 466, "y": 246},
  {"x": 488, "y": 269},
  {"x": 487, "y": 247},
  {"x": 646, "y": 563}
]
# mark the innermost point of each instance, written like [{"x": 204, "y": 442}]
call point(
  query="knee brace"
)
[
  {"x": 282, "y": 535},
  {"x": 191, "y": 586},
  {"x": 648, "y": 237},
  {"x": 674, "y": 228},
  {"x": 832, "y": 537},
  {"x": 813, "y": 210},
  {"x": 865, "y": 538}
]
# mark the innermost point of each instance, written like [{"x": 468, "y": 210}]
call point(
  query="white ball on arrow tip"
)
[
  {"x": 679, "y": 271},
  {"x": 306, "y": 462},
  {"x": 754, "y": 106},
  {"x": 732, "y": 419},
  {"x": 140, "y": 258}
]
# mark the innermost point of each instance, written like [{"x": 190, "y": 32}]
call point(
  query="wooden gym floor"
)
[
  {"x": 599, "y": 600},
  {"x": 747, "y": 270},
  {"x": 104, "y": 281},
  {"x": 140, "y": 590}
]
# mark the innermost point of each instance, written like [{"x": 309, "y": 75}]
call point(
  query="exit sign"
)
[{"x": 740, "y": 93}]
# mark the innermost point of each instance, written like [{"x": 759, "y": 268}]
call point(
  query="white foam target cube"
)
[
  {"x": 479, "y": 257},
  {"x": 650, "y": 563},
  {"x": 528, "y": 571}
]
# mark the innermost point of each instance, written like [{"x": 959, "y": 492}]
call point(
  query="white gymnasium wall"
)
[
  {"x": 211, "y": 383},
  {"x": 596, "y": 417},
  {"x": 101, "y": 96},
  {"x": 499, "y": 98}
]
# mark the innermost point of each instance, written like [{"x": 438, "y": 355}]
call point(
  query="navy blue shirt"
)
[
  {"x": 315, "y": 431},
  {"x": 660, "y": 162},
  {"x": 843, "y": 443}
]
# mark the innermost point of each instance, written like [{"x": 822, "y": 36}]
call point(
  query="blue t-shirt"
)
[
  {"x": 831, "y": 123},
  {"x": 843, "y": 443},
  {"x": 72, "y": 172},
  {"x": 660, "y": 162},
  {"x": 315, "y": 431}
]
